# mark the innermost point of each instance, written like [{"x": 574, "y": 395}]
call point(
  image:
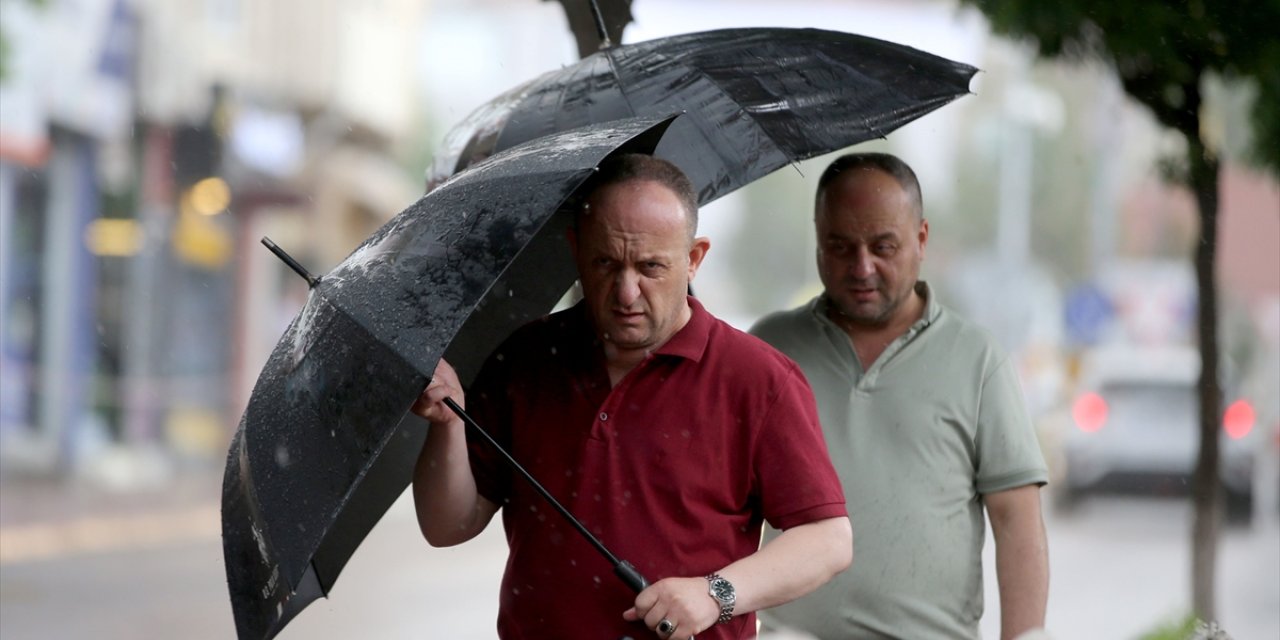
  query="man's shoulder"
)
[
  {"x": 742, "y": 350},
  {"x": 794, "y": 332},
  {"x": 960, "y": 334},
  {"x": 786, "y": 323}
]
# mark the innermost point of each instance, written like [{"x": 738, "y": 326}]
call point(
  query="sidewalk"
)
[{"x": 43, "y": 517}]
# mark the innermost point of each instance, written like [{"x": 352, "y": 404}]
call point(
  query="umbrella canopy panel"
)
[
  {"x": 325, "y": 404},
  {"x": 755, "y": 99}
]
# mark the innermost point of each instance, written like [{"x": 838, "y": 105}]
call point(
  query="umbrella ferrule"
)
[{"x": 297, "y": 267}]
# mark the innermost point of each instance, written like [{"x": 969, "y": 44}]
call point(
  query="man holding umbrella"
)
[{"x": 672, "y": 436}]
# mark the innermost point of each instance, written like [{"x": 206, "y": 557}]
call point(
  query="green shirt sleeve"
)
[{"x": 1008, "y": 452}]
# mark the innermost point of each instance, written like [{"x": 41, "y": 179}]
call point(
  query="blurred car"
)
[{"x": 1135, "y": 428}]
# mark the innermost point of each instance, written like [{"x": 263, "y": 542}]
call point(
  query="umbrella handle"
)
[{"x": 630, "y": 576}]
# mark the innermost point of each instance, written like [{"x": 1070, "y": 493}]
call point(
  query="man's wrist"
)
[{"x": 724, "y": 595}]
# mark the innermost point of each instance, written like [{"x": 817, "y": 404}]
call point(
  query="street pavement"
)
[{"x": 80, "y": 561}]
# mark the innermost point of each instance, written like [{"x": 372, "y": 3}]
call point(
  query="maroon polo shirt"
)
[{"x": 674, "y": 469}]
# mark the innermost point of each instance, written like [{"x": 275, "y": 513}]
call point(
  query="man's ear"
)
[
  {"x": 923, "y": 236},
  {"x": 696, "y": 254}
]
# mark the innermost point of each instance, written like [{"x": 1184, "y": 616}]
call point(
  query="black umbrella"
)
[
  {"x": 755, "y": 100},
  {"x": 324, "y": 448}
]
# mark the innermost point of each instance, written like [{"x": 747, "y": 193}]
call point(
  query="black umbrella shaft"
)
[
  {"x": 621, "y": 568},
  {"x": 601, "y": 28}
]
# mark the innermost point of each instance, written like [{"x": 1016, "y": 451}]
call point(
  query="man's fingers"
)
[{"x": 444, "y": 384}]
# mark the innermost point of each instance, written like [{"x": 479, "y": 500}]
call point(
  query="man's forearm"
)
[
  {"x": 1022, "y": 559},
  {"x": 450, "y": 510},
  {"x": 795, "y": 563}
]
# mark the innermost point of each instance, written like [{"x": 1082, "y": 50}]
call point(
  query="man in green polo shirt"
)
[{"x": 925, "y": 422}]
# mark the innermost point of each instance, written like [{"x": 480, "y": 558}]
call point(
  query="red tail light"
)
[
  {"x": 1089, "y": 412},
  {"x": 1238, "y": 419}
]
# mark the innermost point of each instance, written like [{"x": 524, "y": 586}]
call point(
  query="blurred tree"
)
[{"x": 1166, "y": 54}]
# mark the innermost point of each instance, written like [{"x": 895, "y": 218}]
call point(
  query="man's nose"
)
[
  {"x": 862, "y": 264},
  {"x": 627, "y": 287}
]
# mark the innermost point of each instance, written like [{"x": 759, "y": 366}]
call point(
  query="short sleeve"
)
[
  {"x": 1008, "y": 452},
  {"x": 797, "y": 481}
]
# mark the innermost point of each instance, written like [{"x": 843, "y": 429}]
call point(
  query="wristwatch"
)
[{"x": 722, "y": 592}]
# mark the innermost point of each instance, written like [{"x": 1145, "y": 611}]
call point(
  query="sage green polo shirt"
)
[{"x": 936, "y": 422}]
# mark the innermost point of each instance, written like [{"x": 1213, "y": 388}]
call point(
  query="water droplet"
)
[{"x": 282, "y": 457}]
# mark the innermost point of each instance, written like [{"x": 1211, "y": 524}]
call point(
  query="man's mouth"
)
[{"x": 864, "y": 293}]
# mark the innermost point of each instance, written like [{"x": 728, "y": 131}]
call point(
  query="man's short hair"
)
[
  {"x": 639, "y": 166},
  {"x": 888, "y": 163}
]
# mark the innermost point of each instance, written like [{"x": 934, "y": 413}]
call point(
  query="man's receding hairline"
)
[
  {"x": 917, "y": 204},
  {"x": 690, "y": 221}
]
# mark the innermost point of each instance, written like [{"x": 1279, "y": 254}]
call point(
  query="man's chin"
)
[
  {"x": 628, "y": 338},
  {"x": 863, "y": 314}
]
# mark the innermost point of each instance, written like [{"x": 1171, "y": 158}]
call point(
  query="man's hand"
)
[
  {"x": 444, "y": 384},
  {"x": 683, "y": 602}
]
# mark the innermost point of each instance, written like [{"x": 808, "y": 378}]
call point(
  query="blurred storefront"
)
[{"x": 145, "y": 148}]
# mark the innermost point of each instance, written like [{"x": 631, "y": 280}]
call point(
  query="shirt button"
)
[{"x": 604, "y": 417}]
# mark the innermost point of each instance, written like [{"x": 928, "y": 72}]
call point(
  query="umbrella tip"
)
[{"x": 297, "y": 267}]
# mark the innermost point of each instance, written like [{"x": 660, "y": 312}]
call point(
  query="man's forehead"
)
[
  {"x": 621, "y": 200},
  {"x": 859, "y": 232}
]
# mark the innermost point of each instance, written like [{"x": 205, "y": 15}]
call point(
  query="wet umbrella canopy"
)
[
  {"x": 754, "y": 100},
  {"x": 324, "y": 448}
]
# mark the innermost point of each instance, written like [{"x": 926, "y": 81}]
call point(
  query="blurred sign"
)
[
  {"x": 272, "y": 142},
  {"x": 1088, "y": 311}
]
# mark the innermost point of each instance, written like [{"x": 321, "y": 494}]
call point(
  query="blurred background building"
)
[{"x": 147, "y": 146}]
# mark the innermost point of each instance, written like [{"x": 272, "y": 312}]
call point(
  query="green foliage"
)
[
  {"x": 1180, "y": 629},
  {"x": 1163, "y": 50}
]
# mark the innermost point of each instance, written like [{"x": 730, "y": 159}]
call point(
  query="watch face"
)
[{"x": 722, "y": 590}]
